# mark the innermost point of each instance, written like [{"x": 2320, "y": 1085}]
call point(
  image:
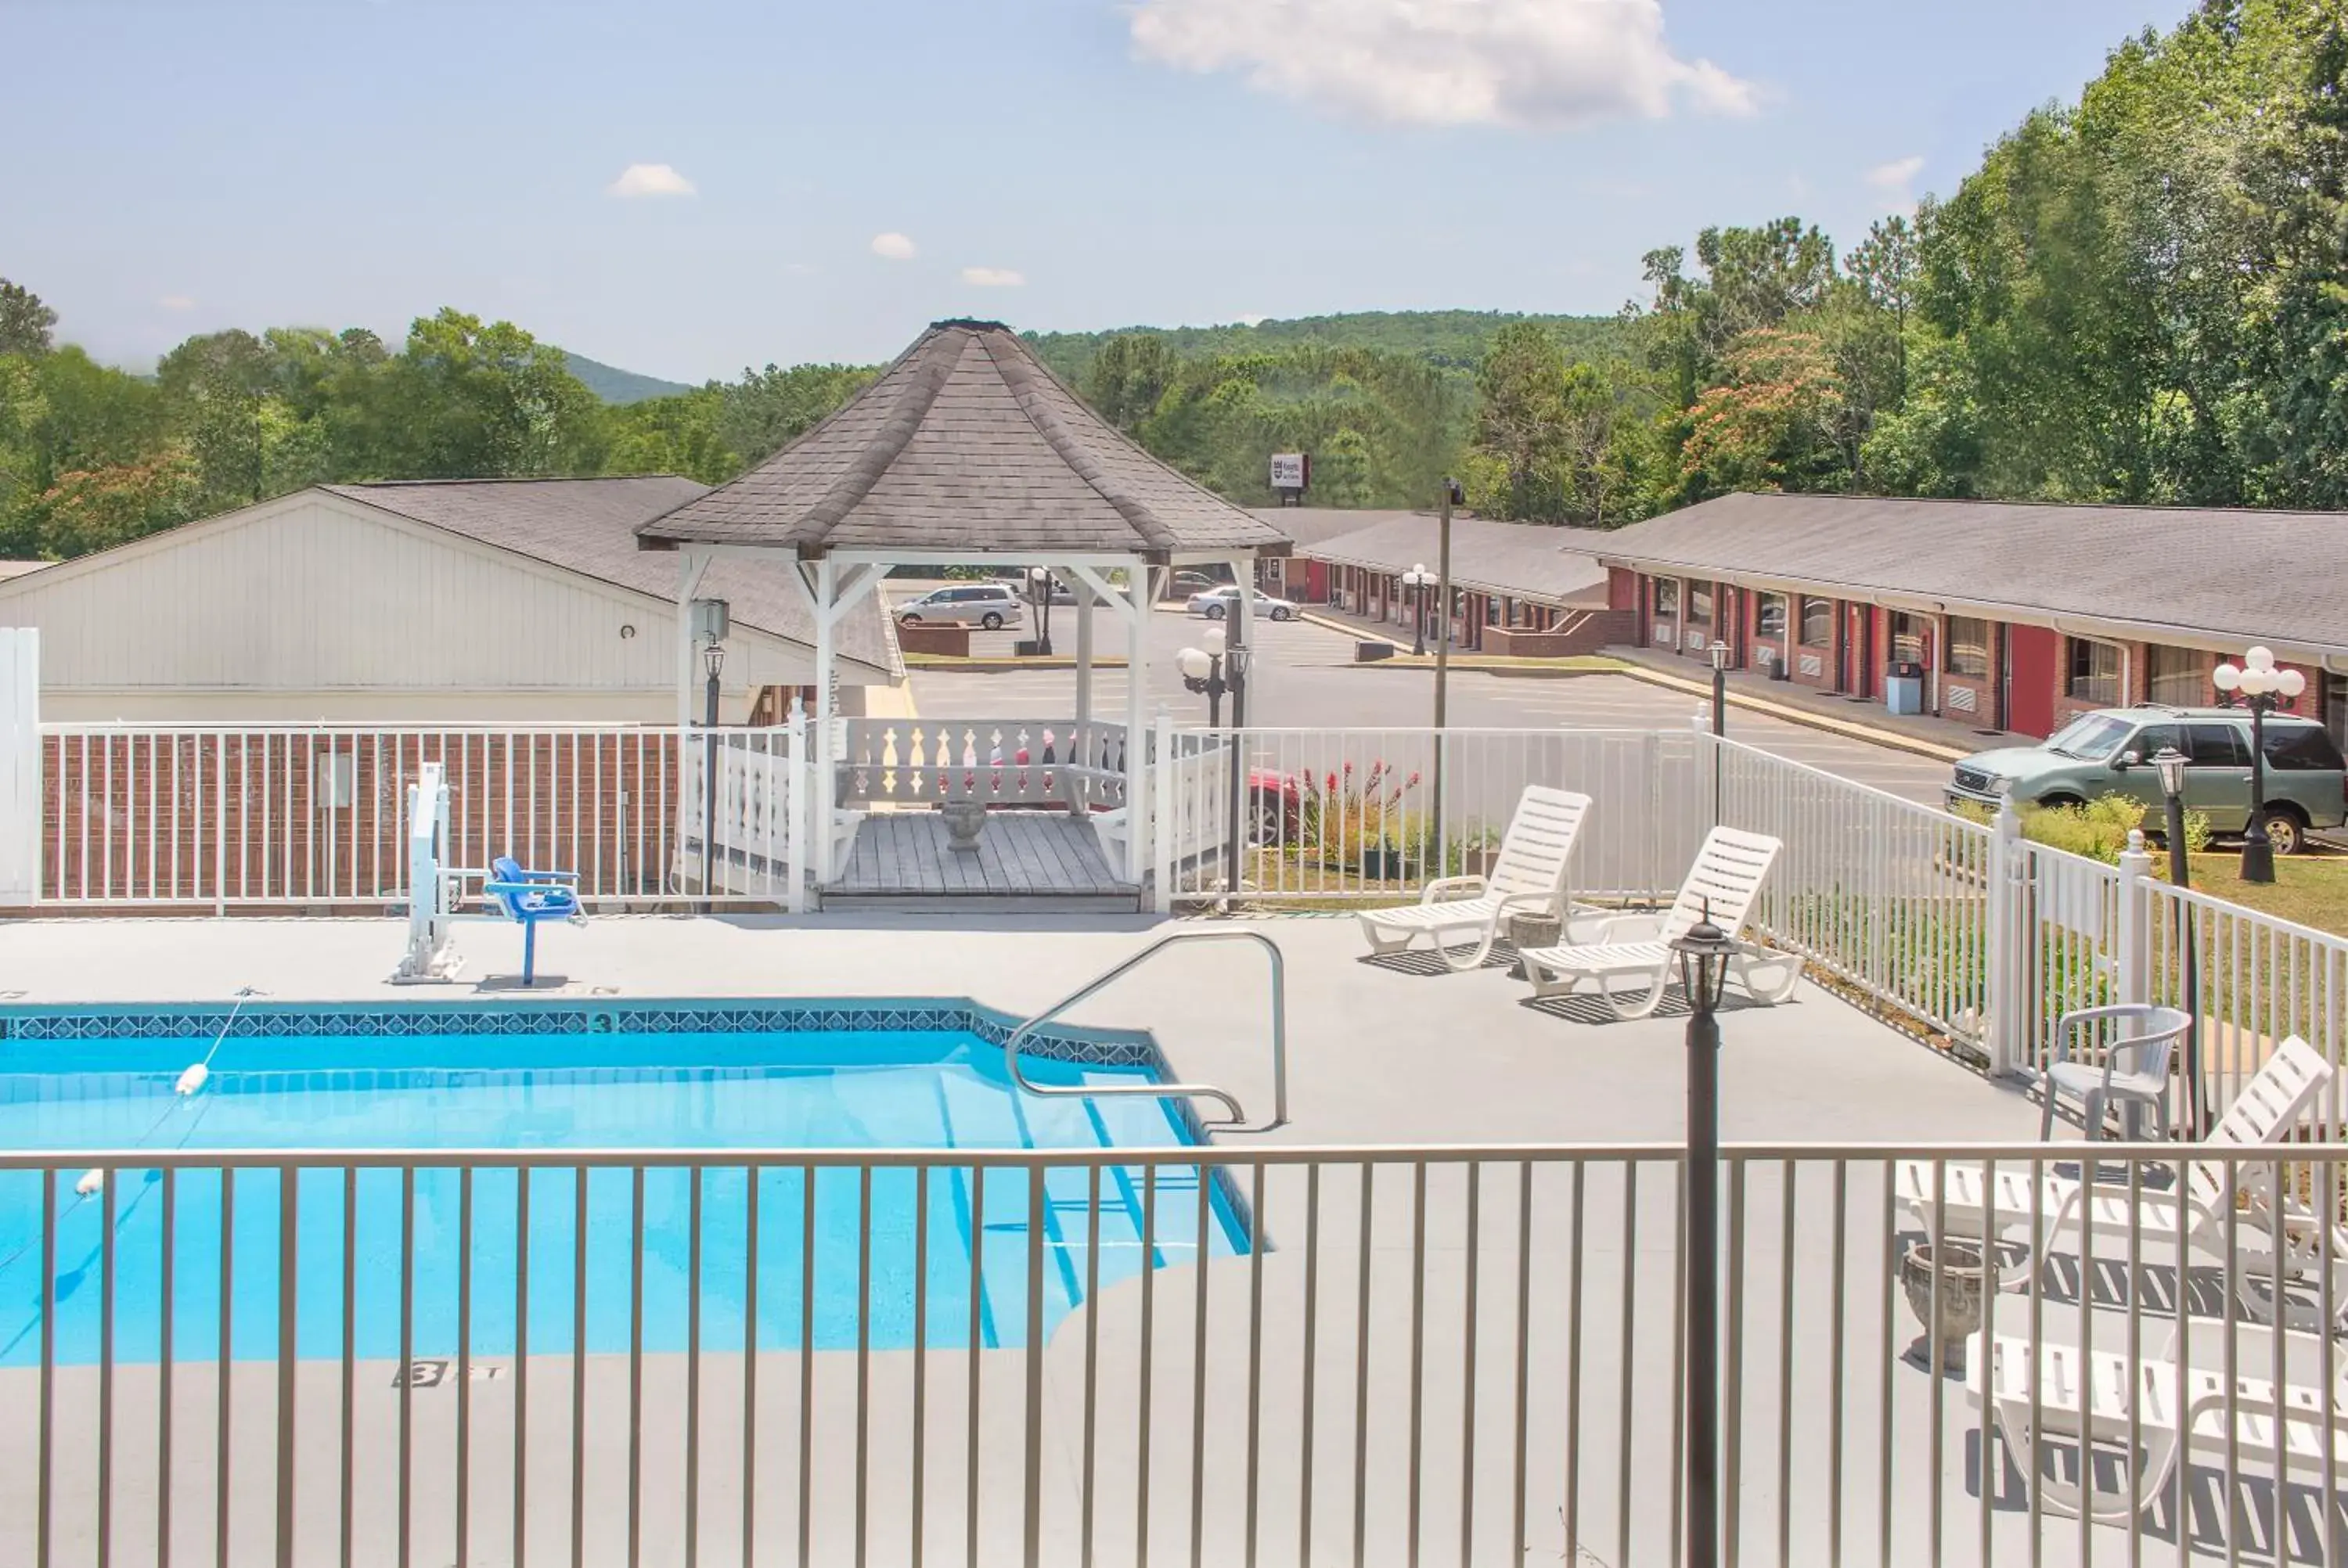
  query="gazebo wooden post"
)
[
  {"x": 1080, "y": 751},
  {"x": 1137, "y": 742}
]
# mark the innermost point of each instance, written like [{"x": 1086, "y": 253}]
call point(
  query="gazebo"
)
[{"x": 967, "y": 451}]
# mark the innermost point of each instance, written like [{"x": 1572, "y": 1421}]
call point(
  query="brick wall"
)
[
  {"x": 138, "y": 817},
  {"x": 1584, "y": 634}
]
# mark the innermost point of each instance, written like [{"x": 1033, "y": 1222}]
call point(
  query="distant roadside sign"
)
[{"x": 1292, "y": 471}]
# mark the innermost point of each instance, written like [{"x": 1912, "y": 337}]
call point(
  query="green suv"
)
[{"x": 2110, "y": 751}]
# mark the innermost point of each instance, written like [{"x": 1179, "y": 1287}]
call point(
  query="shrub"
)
[{"x": 2097, "y": 830}]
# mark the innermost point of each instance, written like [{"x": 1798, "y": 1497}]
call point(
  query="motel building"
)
[{"x": 2004, "y": 617}]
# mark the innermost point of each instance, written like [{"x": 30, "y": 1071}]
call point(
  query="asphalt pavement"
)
[{"x": 1304, "y": 674}]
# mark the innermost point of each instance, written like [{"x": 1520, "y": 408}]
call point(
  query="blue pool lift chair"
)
[{"x": 530, "y": 899}]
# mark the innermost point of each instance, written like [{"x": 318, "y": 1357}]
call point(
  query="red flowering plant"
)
[{"x": 1346, "y": 813}]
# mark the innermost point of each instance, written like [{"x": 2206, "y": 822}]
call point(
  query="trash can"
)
[{"x": 1903, "y": 687}]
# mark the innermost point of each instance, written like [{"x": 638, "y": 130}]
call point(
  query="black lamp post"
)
[
  {"x": 1215, "y": 669},
  {"x": 2169, "y": 763},
  {"x": 1719, "y": 651},
  {"x": 1202, "y": 672},
  {"x": 713, "y": 660},
  {"x": 2259, "y": 686},
  {"x": 1039, "y": 589},
  {"x": 1417, "y": 579},
  {"x": 1703, "y": 954}
]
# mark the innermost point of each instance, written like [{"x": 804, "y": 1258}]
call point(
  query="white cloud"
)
[
  {"x": 893, "y": 247},
  {"x": 1257, "y": 320},
  {"x": 177, "y": 303},
  {"x": 649, "y": 179},
  {"x": 992, "y": 277},
  {"x": 1896, "y": 174},
  {"x": 1534, "y": 63}
]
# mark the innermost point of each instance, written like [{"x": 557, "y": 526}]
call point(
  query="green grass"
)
[{"x": 2310, "y": 888}]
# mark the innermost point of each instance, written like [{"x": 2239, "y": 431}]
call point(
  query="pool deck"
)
[{"x": 1378, "y": 1055}]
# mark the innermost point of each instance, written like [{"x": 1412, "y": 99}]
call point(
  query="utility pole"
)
[{"x": 1451, "y": 493}]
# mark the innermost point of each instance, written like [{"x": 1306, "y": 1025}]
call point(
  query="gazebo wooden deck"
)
[{"x": 967, "y": 451}]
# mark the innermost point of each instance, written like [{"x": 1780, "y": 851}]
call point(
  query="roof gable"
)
[{"x": 965, "y": 443}]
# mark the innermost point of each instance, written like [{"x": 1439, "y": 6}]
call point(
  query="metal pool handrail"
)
[{"x": 1173, "y": 1091}]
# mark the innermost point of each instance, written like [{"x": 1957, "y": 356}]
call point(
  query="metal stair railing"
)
[{"x": 1238, "y": 1121}]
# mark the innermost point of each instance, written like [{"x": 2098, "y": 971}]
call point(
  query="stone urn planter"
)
[
  {"x": 964, "y": 819},
  {"x": 1964, "y": 1273},
  {"x": 1534, "y": 930}
]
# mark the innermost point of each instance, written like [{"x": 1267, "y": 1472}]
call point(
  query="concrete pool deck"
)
[
  {"x": 1377, "y": 1054},
  {"x": 1361, "y": 1307}
]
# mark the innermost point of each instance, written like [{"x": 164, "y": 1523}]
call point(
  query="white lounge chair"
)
[
  {"x": 2173, "y": 1406},
  {"x": 2266, "y": 1111},
  {"x": 1722, "y": 884},
  {"x": 1526, "y": 878}
]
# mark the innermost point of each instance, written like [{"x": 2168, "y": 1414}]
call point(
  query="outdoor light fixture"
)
[
  {"x": 1203, "y": 672},
  {"x": 1704, "y": 955},
  {"x": 2258, "y": 685},
  {"x": 1419, "y": 580},
  {"x": 713, "y": 660},
  {"x": 2169, "y": 763}
]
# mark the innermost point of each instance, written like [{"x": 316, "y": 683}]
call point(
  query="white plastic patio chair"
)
[
  {"x": 1527, "y": 877},
  {"x": 2091, "y": 1400},
  {"x": 2268, "y": 1110},
  {"x": 1721, "y": 886},
  {"x": 2134, "y": 1069}
]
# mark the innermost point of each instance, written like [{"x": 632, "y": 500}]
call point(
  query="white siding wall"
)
[{"x": 315, "y": 607}]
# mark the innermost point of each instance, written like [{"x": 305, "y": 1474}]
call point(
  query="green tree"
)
[
  {"x": 672, "y": 435},
  {"x": 25, "y": 321},
  {"x": 768, "y": 409},
  {"x": 488, "y": 400}
]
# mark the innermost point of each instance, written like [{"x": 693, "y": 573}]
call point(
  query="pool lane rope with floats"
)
[
  {"x": 185, "y": 1088},
  {"x": 189, "y": 1085}
]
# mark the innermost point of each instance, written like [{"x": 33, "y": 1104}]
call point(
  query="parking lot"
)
[{"x": 1304, "y": 674}]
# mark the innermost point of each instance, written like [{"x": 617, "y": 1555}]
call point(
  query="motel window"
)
[
  {"x": 2179, "y": 677},
  {"x": 1667, "y": 597},
  {"x": 1968, "y": 646},
  {"x": 1769, "y": 615},
  {"x": 1818, "y": 623},
  {"x": 1699, "y": 604},
  {"x": 1906, "y": 638},
  {"x": 2092, "y": 672}
]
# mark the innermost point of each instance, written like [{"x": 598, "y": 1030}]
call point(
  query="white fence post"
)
[
  {"x": 1159, "y": 822},
  {"x": 796, "y": 788},
  {"x": 2134, "y": 981},
  {"x": 20, "y": 765},
  {"x": 2008, "y": 969}
]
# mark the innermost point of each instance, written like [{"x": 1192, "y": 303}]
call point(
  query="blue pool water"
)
[{"x": 925, "y": 1089}]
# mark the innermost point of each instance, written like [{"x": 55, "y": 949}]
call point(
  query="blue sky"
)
[{"x": 192, "y": 165}]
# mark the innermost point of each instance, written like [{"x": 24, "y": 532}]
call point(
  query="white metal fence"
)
[
  {"x": 277, "y": 815},
  {"x": 1431, "y": 1355},
  {"x": 1343, "y": 815}
]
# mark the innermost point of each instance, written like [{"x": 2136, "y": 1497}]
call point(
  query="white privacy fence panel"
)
[
  {"x": 273, "y": 815},
  {"x": 1414, "y": 1357},
  {"x": 1354, "y": 814},
  {"x": 20, "y": 763},
  {"x": 753, "y": 823}
]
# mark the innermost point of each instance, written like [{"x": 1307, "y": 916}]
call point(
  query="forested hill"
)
[
  {"x": 613, "y": 384},
  {"x": 1454, "y": 338}
]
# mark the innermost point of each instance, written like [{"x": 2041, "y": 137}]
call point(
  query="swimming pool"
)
[{"x": 706, "y": 1077}]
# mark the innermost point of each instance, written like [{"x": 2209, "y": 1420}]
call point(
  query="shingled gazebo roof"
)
[{"x": 967, "y": 444}]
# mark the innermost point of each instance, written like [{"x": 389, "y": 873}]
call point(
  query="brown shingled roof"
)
[
  {"x": 587, "y": 526},
  {"x": 967, "y": 442}
]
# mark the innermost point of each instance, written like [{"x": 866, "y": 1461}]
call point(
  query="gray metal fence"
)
[{"x": 1435, "y": 1355}]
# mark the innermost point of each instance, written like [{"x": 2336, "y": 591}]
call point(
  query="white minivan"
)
[{"x": 991, "y": 605}]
